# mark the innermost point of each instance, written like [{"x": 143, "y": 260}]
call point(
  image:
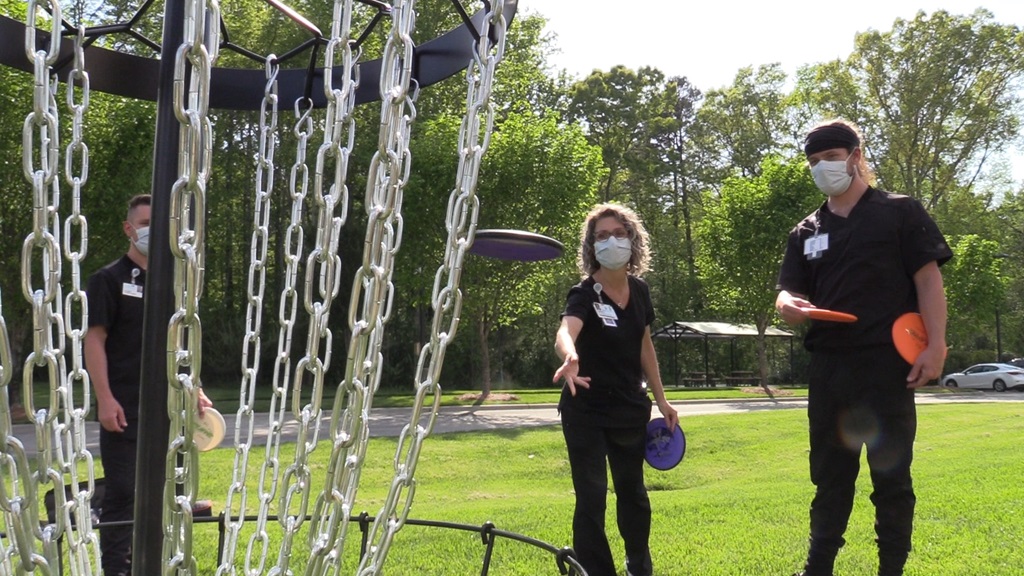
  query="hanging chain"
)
[
  {"x": 271, "y": 470},
  {"x": 251, "y": 344},
  {"x": 83, "y": 542},
  {"x": 333, "y": 504},
  {"x": 10, "y": 447},
  {"x": 369, "y": 311},
  {"x": 19, "y": 491},
  {"x": 187, "y": 232},
  {"x": 372, "y": 290},
  {"x": 463, "y": 207},
  {"x": 322, "y": 273}
]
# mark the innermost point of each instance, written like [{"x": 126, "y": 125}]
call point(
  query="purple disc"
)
[
  {"x": 515, "y": 245},
  {"x": 664, "y": 448}
]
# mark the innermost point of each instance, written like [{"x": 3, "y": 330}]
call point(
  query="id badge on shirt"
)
[
  {"x": 606, "y": 313},
  {"x": 133, "y": 290},
  {"x": 815, "y": 246}
]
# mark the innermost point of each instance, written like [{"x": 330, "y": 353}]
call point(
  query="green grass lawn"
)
[
  {"x": 737, "y": 505},
  {"x": 226, "y": 398}
]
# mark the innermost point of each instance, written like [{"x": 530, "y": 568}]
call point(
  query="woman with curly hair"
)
[{"x": 604, "y": 341}]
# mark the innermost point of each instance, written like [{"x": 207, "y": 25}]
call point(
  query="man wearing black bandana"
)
[{"x": 875, "y": 255}]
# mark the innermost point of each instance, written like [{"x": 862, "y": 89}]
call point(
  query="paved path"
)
[{"x": 388, "y": 422}]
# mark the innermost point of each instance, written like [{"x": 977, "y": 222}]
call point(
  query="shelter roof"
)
[{"x": 678, "y": 330}]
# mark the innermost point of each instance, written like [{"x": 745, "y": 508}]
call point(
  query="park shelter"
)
[{"x": 707, "y": 331}]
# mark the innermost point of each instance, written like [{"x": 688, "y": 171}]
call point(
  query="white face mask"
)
[
  {"x": 613, "y": 253},
  {"x": 832, "y": 176},
  {"x": 142, "y": 244}
]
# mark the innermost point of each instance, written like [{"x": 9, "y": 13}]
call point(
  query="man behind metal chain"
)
[{"x": 113, "y": 356}]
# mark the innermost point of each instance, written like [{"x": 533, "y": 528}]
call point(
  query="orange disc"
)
[
  {"x": 830, "y": 315},
  {"x": 909, "y": 336}
]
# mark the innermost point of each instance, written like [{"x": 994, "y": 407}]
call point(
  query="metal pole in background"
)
[
  {"x": 154, "y": 423},
  {"x": 999, "y": 331},
  {"x": 999, "y": 338}
]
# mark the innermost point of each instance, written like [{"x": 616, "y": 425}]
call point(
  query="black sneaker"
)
[{"x": 628, "y": 573}]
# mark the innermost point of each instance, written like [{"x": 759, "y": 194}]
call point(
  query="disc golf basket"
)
[{"x": 301, "y": 505}]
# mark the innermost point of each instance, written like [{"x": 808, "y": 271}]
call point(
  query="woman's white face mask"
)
[
  {"x": 613, "y": 253},
  {"x": 833, "y": 177}
]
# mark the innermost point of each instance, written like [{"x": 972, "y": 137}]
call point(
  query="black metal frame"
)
[
  {"x": 231, "y": 88},
  {"x": 489, "y": 534},
  {"x": 242, "y": 89}
]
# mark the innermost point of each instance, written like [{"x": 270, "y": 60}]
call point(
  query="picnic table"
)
[
  {"x": 696, "y": 379},
  {"x": 742, "y": 378}
]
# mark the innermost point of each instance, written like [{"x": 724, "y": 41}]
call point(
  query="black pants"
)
[
  {"x": 623, "y": 448},
  {"x": 118, "y": 454},
  {"x": 861, "y": 399}
]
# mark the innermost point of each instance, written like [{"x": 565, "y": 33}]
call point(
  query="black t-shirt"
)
[
  {"x": 115, "y": 302},
  {"x": 864, "y": 266},
  {"x": 609, "y": 353}
]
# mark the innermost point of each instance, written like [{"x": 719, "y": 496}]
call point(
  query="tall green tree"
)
[
  {"x": 1010, "y": 214},
  {"x": 975, "y": 289},
  {"x": 937, "y": 97},
  {"x": 738, "y": 126},
  {"x": 539, "y": 175},
  {"x": 742, "y": 240},
  {"x": 622, "y": 110},
  {"x": 682, "y": 170}
]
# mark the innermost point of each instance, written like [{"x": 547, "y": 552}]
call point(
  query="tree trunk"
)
[
  {"x": 608, "y": 185},
  {"x": 483, "y": 331},
  {"x": 762, "y": 356}
]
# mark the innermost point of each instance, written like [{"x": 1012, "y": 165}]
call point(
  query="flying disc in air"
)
[
  {"x": 665, "y": 448},
  {"x": 830, "y": 315},
  {"x": 909, "y": 336},
  {"x": 515, "y": 245},
  {"x": 209, "y": 430}
]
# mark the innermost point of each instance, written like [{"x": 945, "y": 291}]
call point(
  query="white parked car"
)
[{"x": 998, "y": 377}]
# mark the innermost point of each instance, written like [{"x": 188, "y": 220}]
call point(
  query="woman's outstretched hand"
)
[{"x": 569, "y": 371}]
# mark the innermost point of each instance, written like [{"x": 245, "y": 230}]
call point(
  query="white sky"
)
[{"x": 708, "y": 41}]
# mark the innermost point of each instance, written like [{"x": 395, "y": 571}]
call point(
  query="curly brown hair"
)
[{"x": 640, "y": 259}]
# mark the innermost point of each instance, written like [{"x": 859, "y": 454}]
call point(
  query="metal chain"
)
[
  {"x": 323, "y": 271},
  {"x": 83, "y": 542},
  {"x": 333, "y": 504},
  {"x": 187, "y": 231},
  {"x": 463, "y": 207},
  {"x": 33, "y": 548},
  {"x": 251, "y": 342},
  {"x": 271, "y": 470},
  {"x": 369, "y": 311},
  {"x": 389, "y": 171},
  {"x": 10, "y": 447}
]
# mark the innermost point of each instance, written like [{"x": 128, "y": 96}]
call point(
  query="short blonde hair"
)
[
  {"x": 639, "y": 260},
  {"x": 136, "y": 201}
]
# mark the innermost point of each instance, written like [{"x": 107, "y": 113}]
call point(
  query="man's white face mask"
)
[
  {"x": 833, "y": 177},
  {"x": 142, "y": 244}
]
